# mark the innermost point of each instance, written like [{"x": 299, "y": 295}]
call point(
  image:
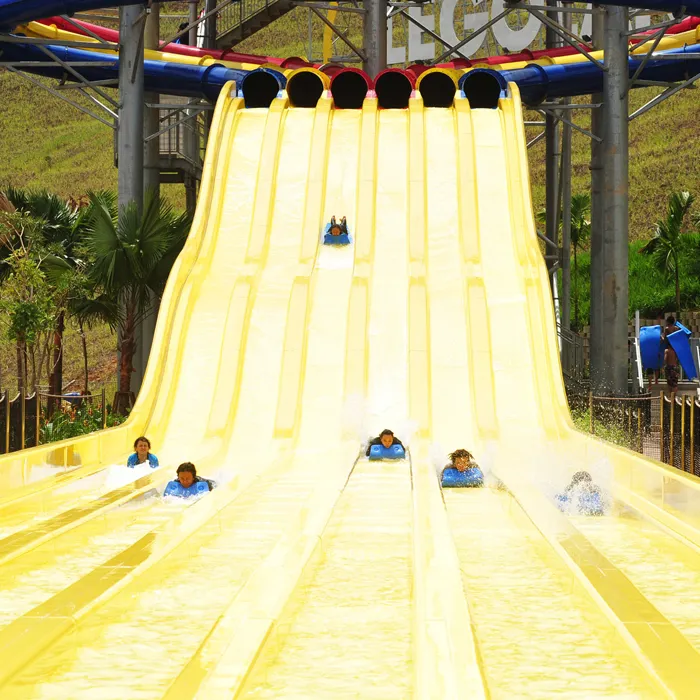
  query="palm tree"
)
[
  {"x": 89, "y": 309},
  {"x": 132, "y": 256},
  {"x": 666, "y": 243},
  {"x": 58, "y": 222},
  {"x": 580, "y": 235}
]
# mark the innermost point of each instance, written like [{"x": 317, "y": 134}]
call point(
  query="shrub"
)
[{"x": 71, "y": 421}]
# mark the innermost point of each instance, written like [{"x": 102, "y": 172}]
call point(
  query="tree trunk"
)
[
  {"x": 83, "y": 339},
  {"x": 20, "y": 366},
  {"x": 32, "y": 354},
  {"x": 124, "y": 398},
  {"x": 576, "y": 289},
  {"x": 25, "y": 360},
  {"x": 56, "y": 378}
]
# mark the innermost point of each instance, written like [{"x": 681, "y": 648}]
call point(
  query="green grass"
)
[
  {"x": 662, "y": 157},
  {"x": 650, "y": 289},
  {"x": 608, "y": 431}
]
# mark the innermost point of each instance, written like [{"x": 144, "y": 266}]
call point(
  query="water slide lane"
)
[
  {"x": 537, "y": 452},
  {"x": 80, "y": 516}
]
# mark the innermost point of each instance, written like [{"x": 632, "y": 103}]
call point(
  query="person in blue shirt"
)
[
  {"x": 386, "y": 439},
  {"x": 582, "y": 495},
  {"x": 188, "y": 483},
  {"x": 142, "y": 454},
  {"x": 462, "y": 470}
]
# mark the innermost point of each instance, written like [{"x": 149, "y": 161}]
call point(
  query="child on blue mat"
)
[
  {"x": 142, "y": 454},
  {"x": 462, "y": 470},
  {"x": 188, "y": 483},
  {"x": 583, "y": 495},
  {"x": 386, "y": 439}
]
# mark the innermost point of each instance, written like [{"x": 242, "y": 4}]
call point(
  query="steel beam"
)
[
  {"x": 130, "y": 148},
  {"x": 375, "y": 31},
  {"x": 615, "y": 309},
  {"x": 552, "y": 155},
  {"x": 596, "y": 330},
  {"x": 565, "y": 297}
]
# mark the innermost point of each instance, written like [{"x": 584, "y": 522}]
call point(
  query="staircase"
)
[{"x": 242, "y": 19}]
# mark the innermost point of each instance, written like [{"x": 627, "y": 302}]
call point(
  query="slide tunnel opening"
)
[
  {"x": 482, "y": 88},
  {"x": 304, "y": 89},
  {"x": 259, "y": 89},
  {"x": 393, "y": 90},
  {"x": 349, "y": 90},
  {"x": 437, "y": 89}
]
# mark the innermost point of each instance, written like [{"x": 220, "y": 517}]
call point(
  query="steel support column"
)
[
  {"x": 596, "y": 339},
  {"x": 151, "y": 181},
  {"x": 210, "y": 25},
  {"x": 193, "y": 14},
  {"x": 566, "y": 210},
  {"x": 375, "y": 31},
  {"x": 130, "y": 132},
  {"x": 131, "y": 106},
  {"x": 552, "y": 156},
  {"x": 151, "y": 175},
  {"x": 615, "y": 309}
]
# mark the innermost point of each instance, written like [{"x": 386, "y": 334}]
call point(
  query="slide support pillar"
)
[
  {"x": 615, "y": 315},
  {"x": 151, "y": 181},
  {"x": 130, "y": 150},
  {"x": 552, "y": 157},
  {"x": 566, "y": 214},
  {"x": 193, "y": 14},
  {"x": 596, "y": 243},
  {"x": 375, "y": 31}
]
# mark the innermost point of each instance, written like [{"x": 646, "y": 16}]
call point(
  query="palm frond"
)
[{"x": 101, "y": 309}]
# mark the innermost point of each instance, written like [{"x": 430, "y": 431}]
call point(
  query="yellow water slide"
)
[{"x": 311, "y": 572}]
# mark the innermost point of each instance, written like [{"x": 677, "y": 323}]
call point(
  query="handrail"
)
[{"x": 235, "y": 14}]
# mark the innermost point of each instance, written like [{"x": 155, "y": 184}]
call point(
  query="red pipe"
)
[
  {"x": 112, "y": 35},
  {"x": 329, "y": 70}
]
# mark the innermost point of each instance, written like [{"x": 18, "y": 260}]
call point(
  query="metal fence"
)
[
  {"x": 661, "y": 427},
  {"x": 182, "y": 133},
  {"x": 23, "y": 417},
  {"x": 236, "y": 13}
]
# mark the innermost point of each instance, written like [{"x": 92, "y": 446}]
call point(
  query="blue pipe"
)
[
  {"x": 539, "y": 83},
  {"x": 159, "y": 76},
  {"x": 14, "y": 12}
]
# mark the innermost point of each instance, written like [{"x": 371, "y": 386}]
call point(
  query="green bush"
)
[
  {"x": 70, "y": 422},
  {"x": 650, "y": 289},
  {"x": 605, "y": 430}
]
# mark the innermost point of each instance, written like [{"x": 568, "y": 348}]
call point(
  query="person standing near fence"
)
[
  {"x": 670, "y": 358},
  {"x": 659, "y": 322}
]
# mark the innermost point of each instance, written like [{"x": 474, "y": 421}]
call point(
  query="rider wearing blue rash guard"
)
[
  {"x": 188, "y": 483},
  {"x": 142, "y": 454}
]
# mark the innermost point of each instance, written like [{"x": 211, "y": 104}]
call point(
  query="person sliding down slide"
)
[
  {"x": 386, "y": 446},
  {"x": 142, "y": 455},
  {"x": 462, "y": 471},
  {"x": 582, "y": 496},
  {"x": 188, "y": 483}
]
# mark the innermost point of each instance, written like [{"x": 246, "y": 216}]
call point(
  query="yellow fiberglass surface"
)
[{"x": 311, "y": 572}]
